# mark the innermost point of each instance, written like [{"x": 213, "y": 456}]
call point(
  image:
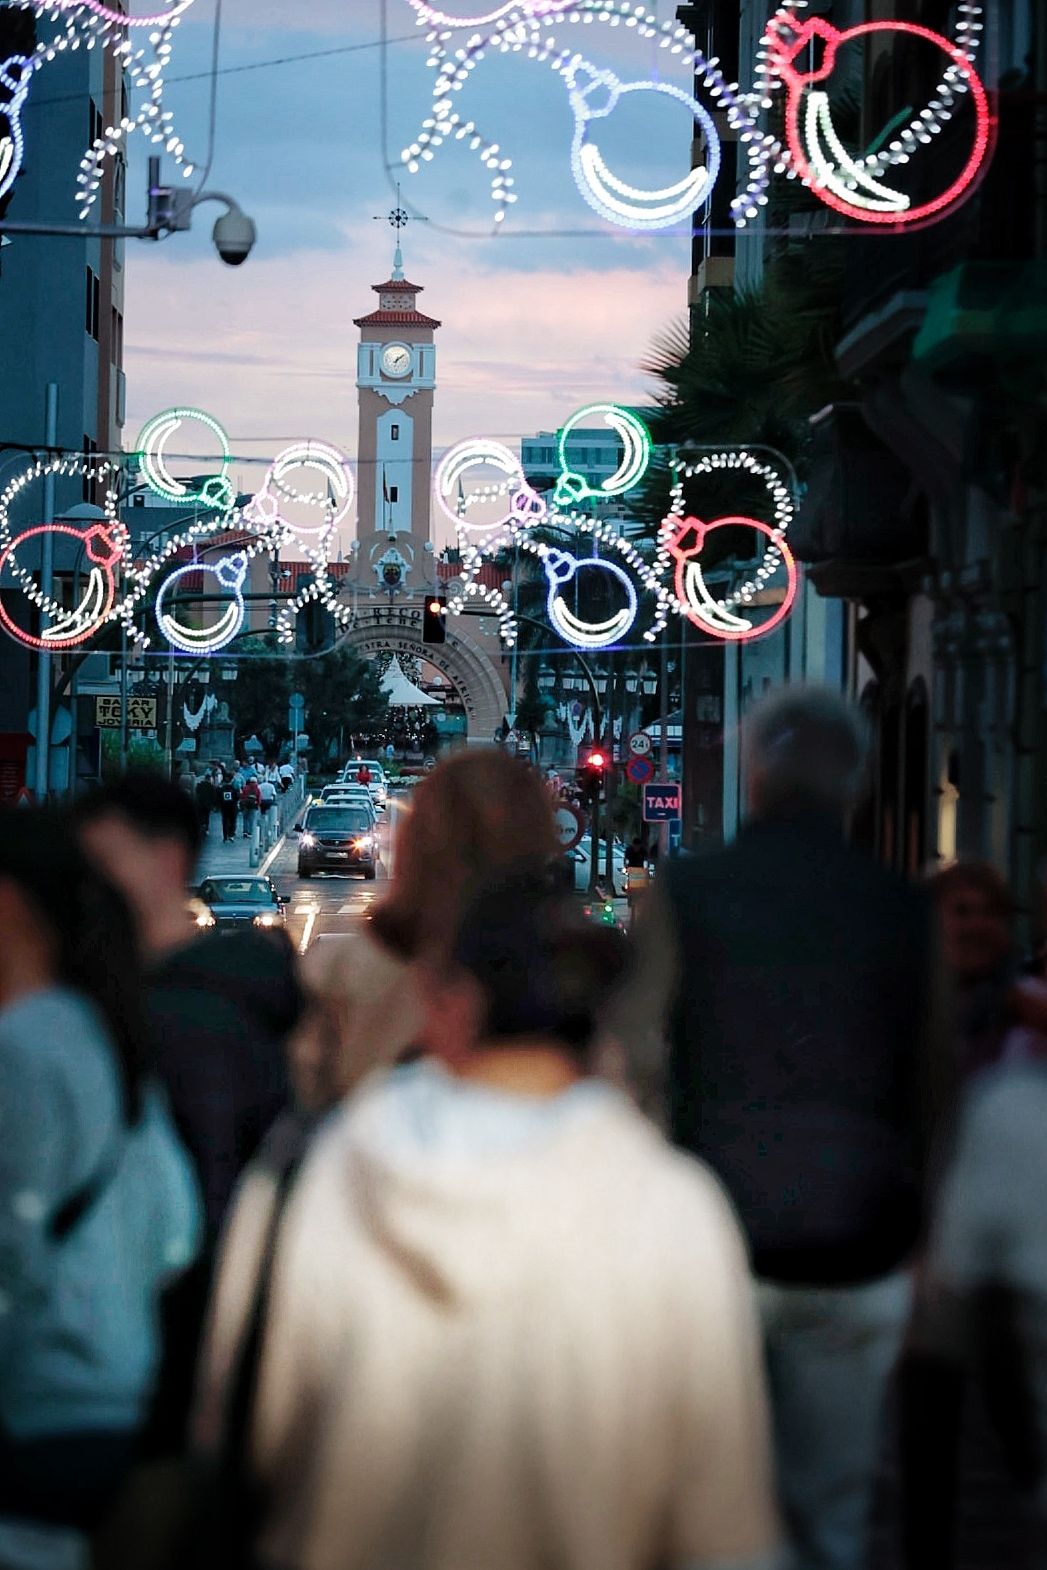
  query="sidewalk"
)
[{"x": 218, "y": 859}]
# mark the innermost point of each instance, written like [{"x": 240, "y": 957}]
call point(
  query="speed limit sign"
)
[{"x": 640, "y": 744}]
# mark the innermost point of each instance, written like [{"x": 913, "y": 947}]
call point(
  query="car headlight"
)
[
  {"x": 266, "y": 920},
  {"x": 307, "y": 840},
  {"x": 363, "y": 842},
  {"x": 205, "y": 919}
]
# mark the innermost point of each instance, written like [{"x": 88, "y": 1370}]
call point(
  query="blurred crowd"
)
[{"x": 487, "y": 1238}]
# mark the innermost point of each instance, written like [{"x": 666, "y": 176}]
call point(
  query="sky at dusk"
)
[{"x": 555, "y": 310}]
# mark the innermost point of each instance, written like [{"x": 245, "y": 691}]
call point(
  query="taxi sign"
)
[{"x": 662, "y": 802}]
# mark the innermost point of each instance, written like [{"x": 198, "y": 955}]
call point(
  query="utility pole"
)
[{"x": 42, "y": 781}]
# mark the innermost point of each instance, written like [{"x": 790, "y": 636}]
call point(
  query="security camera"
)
[{"x": 234, "y": 235}]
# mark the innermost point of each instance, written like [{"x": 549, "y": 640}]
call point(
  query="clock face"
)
[{"x": 396, "y": 359}]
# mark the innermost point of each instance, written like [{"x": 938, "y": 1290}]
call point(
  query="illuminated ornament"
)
[
  {"x": 593, "y": 96},
  {"x": 561, "y": 568},
  {"x": 855, "y": 186},
  {"x": 430, "y": 13},
  {"x": 140, "y": 47},
  {"x": 331, "y": 504},
  {"x": 636, "y": 455},
  {"x": 230, "y": 573},
  {"x": 713, "y": 616},
  {"x": 15, "y": 77},
  {"x": 152, "y": 458},
  {"x": 102, "y": 546},
  {"x": 119, "y": 18},
  {"x": 477, "y": 453}
]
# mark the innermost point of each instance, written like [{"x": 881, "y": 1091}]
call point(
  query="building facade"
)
[{"x": 61, "y": 322}]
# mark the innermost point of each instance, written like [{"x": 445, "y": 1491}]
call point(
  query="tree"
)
[
  {"x": 258, "y": 700},
  {"x": 343, "y": 696}
]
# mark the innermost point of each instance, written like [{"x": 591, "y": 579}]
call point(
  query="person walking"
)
[
  {"x": 218, "y": 1014},
  {"x": 205, "y": 796},
  {"x": 250, "y": 801},
  {"x": 228, "y": 806},
  {"x": 286, "y": 776},
  {"x": 266, "y": 797},
  {"x": 473, "y": 1257},
  {"x": 98, "y": 1204},
  {"x": 803, "y": 1069}
]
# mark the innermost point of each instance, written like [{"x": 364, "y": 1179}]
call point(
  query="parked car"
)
[
  {"x": 236, "y": 903},
  {"x": 378, "y": 786},
  {"x": 581, "y": 856},
  {"x": 337, "y": 839}
]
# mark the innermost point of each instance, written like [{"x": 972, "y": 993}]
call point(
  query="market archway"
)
[{"x": 461, "y": 659}]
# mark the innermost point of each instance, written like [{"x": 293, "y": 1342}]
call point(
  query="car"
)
[
  {"x": 581, "y": 856},
  {"x": 346, "y": 793},
  {"x": 379, "y": 785},
  {"x": 337, "y": 839},
  {"x": 236, "y": 904}
]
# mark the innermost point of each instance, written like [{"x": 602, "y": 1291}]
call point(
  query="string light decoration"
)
[
  {"x": 854, "y": 186},
  {"x": 683, "y": 537},
  {"x": 476, "y": 453},
  {"x": 636, "y": 454},
  {"x": 334, "y": 501},
  {"x": 15, "y": 77},
  {"x": 430, "y": 13},
  {"x": 215, "y": 491},
  {"x": 229, "y": 574},
  {"x": 561, "y": 568},
  {"x": 92, "y": 24},
  {"x": 102, "y": 546},
  {"x": 593, "y": 94}
]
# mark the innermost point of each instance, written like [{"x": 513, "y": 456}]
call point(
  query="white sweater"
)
[{"x": 507, "y": 1335}]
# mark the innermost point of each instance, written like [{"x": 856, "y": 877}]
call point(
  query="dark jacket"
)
[
  {"x": 219, "y": 1012},
  {"x": 799, "y": 1062}
]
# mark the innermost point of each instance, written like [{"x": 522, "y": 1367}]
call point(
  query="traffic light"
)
[
  {"x": 434, "y": 619},
  {"x": 593, "y": 775}
]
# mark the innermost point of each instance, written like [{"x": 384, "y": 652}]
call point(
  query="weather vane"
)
[{"x": 398, "y": 217}]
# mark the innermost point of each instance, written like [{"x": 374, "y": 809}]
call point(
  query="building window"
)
[
  {"x": 119, "y": 186},
  {"x": 95, "y": 123},
  {"x": 394, "y": 493},
  {"x": 394, "y": 433},
  {"x": 93, "y": 305},
  {"x": 90, "y": 484},
  {"x": 116, "y": 347}
]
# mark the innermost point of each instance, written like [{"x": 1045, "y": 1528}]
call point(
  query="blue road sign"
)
[
  {"x": 639, "y": 770},
  {"x": 662, "y": 802}
]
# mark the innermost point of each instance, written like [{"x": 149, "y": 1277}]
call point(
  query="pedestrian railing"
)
[{"x": 269, "y": 826}]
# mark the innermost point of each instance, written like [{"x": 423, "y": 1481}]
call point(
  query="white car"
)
[
  {"x": 581, "y": 856},
  {"x": 378, "y": 786},
  {"x": 347, "y": 795}
]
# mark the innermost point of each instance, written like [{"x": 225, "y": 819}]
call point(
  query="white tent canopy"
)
[{"x": 401, "y": 693}]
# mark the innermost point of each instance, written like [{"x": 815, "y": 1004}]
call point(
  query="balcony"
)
[
  {"x": 983, "y": 312},
  {"x": 856, "y": 527}
]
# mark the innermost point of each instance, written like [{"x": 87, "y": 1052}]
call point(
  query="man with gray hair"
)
[{"x": 798, "y": 1070}]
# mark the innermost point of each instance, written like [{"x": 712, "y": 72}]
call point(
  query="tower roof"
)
[{"x": 405, "y": 318}]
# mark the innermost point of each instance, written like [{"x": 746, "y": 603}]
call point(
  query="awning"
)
[{"x": 401, "y": 693}]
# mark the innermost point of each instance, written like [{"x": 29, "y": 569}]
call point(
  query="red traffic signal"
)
[
  {"x": 434, "y": 619},
  {"x": 596, "y": 761}
]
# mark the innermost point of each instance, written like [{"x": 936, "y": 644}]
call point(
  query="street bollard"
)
[{"x": 256, "y": 843}]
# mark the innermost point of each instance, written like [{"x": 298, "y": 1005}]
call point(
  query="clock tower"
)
[{"x": 396, "y": 379}]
